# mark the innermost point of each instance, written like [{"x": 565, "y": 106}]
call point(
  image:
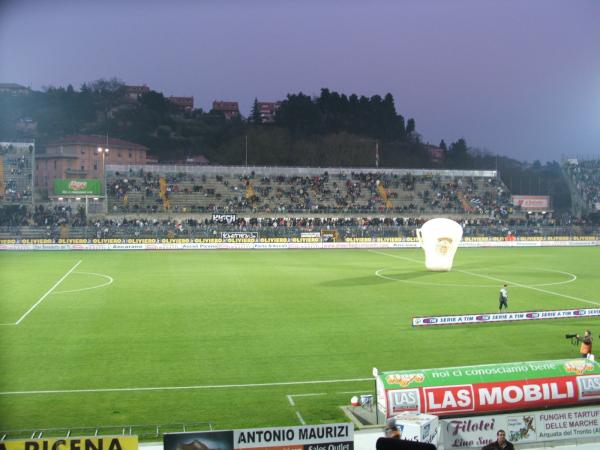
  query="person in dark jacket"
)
[{"x": 501, "y": 443}]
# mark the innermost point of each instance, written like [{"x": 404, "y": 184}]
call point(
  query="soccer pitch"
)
[{"x": 259, "y": 338}]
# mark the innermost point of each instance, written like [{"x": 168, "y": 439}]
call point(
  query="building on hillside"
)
[
  {"x": 229, "y": 109},
  {"x": 267, "y": 111},
  {"x": 133, "y": 93},
  {"x": 83, "y": 157},
  {"x": 26, "y": 124},
  {"x": 14, "y": 89},
  {"x": 185, "y": 103}
]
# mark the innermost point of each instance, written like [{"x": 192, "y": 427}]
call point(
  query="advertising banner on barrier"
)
[
  {"x": 526, "y": 427},
  {"x": 431, "y": 321},
  {"x": 481, "y": 389},
  {"x": 338, "y": 436},
  {"x": 95, "y": 442},
  {"x": 227, "y": 218},
  {"x": 239, "y": 237},
  {"x": 245, "y": 241}
]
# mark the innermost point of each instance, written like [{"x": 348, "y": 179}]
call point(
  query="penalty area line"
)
[{"x": 181, "y": 388}]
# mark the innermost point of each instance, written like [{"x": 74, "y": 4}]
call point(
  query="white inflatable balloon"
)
[{"x": 439, "y": 239}]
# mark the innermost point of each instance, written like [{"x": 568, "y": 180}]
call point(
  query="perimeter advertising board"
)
[
  {"x": 463, "y": 319},
  {"x": 77, "y": 187},
  {"x": 521, "y": 428},
  {"x": 338, "y": 436},
  {"x": 490, "y": 388},
  {"x": 81, "y": 443},
  {"x": 240, "y": 237}
]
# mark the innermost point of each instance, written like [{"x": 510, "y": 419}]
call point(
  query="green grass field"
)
[{"x": 238, "y": 338}]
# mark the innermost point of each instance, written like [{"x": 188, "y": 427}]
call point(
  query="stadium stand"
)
[
  {"x": 306, "y": 191},
  {"x": 584, "y": 181},
  {"x": 53, "y": 221},
  {"x": 16, "y": 168},
  {"x": 183, "y": 201}
]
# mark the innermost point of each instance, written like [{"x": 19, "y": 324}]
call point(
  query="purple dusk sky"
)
[{"x": 518, "y": 78}]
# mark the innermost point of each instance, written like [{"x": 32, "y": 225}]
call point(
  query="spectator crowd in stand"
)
[
  {"x": 50, "y": 220},
  {"x": 585, "y": 176},
  {"x": 16, "y": 176},
  {"x": 354, "y": 203},
  {"x": 344, "y": 192}
]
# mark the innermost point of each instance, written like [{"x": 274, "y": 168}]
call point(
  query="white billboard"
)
[{"x": 532, "y": 202}]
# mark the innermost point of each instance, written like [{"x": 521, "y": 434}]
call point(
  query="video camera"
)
[{"x": 570, "y": 336}]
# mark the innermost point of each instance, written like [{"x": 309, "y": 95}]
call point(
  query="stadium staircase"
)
[{"x": 1, "y": 177}]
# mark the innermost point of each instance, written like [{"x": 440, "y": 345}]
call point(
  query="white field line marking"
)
[
  {"x": 108, "y": 277},
  {"x": 290, "y": 397},
  {"x": 47, "y": 293},
  {"x": 573, "y": 277},
  {"x": 545, "y": 291},
  {"x": 178, "y": 388},
  {"x": 302, "y": 422}
]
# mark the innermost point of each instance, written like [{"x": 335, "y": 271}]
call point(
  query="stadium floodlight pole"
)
[
  {"x": 246, "y": 150},
  {"x": 33, "y": 172},
  {"x": 104, "y": 151}
]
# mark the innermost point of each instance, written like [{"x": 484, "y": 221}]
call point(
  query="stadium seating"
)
[
  {"x": 584, "y": 179},
  {"x": 281, "y": 202},
  {"x": 15, "y": 174},
  {"x": 314, "y": 192}
]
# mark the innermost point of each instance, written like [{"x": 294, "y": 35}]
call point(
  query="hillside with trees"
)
[{"x": 332, "y": 129}]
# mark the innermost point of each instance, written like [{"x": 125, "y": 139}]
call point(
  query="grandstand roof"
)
[
  {"x": 95, "y": 140},
  {"x": 44, "y": 156},
  {"x": 12, "y": 86}
]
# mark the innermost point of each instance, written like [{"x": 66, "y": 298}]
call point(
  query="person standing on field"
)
[
  {"x": 503, "y": 298},
  {"x": 586, "y": 344}
]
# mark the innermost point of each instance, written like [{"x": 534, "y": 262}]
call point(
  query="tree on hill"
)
[
  {"x": 255, "y": 113},
  {"x": 458, "y": 154},
  {"x": 299, "y": 114}
]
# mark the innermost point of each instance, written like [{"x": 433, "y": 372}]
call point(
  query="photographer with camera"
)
[{"x": 586, "y": 343}]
